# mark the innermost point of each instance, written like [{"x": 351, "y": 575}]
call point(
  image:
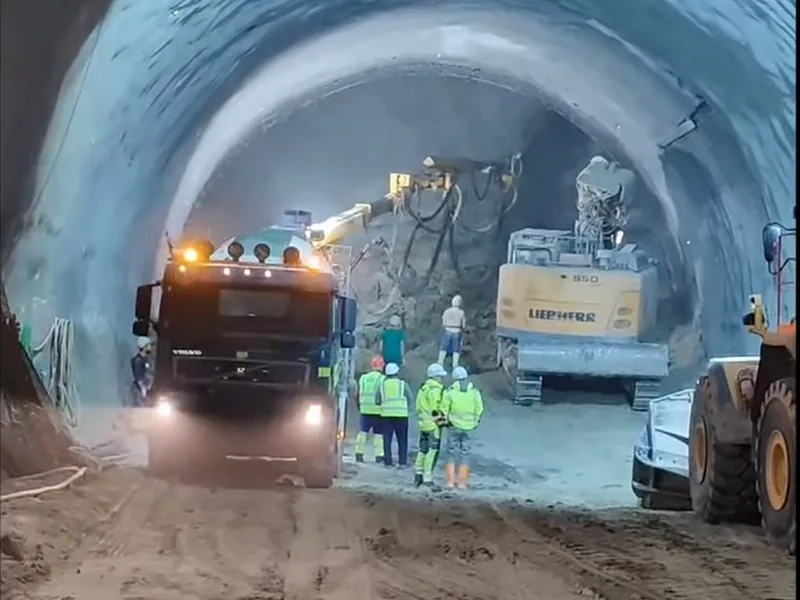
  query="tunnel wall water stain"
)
[{"x": 159, "y": 72}]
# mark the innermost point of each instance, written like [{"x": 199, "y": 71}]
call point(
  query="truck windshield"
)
[{"x": 208, "y": 310}]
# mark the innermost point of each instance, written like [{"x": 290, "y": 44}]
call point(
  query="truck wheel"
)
[
  {"x": 721, "y": 476},
  {"x": 319, "y": 474},
  {"x": 775, "y": 454}
]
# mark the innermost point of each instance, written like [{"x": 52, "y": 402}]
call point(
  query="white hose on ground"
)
[
  {"x": 43, "y": 490},
  {"x": 61, "y": 382}
]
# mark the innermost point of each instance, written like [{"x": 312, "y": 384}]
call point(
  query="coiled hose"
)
[{"x": 61, "y": 381}]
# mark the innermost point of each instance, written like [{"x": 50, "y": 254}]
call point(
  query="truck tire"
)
[
  {"x": 775, "y": 456},
  {"x": 319, "y": 474},
  {"x": 721, "y": 476}
]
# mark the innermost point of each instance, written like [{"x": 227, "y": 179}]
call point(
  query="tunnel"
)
[
  {"x": 128, "y": 123},
  {"x": 206, "y": 117}
]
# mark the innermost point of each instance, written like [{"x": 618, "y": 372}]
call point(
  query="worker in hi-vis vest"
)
[
  {"x": 395, "y": 398},
  {"x": 430, "y": 420},
  {"x": 462, "y": 406},
  {"x": 370, "y": 421}
]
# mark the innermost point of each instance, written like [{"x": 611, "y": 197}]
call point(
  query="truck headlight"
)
[
  {"x": 313, "y": 415},
  {"x": 164, "y": 408}
]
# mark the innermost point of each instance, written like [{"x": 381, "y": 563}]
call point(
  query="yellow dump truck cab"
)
[{"x": 566, "y": 306}]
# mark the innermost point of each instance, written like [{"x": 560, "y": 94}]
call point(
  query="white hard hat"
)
[
  {"x": 456, "y": 301},
  {"x": 436, "y": 370},
  {"x": 392, "y": 369},
  {"x": 143, "y": 342},
  {"x": 395, "y": 321},
  {"x": 459, "y": 374}
]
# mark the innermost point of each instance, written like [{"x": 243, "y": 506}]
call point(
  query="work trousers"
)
[
  {"x": 395, "y": 427},
  {"x": 459, "y": 446}
]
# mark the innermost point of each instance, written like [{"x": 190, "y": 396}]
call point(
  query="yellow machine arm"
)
[{"x": 441, "y": 174}]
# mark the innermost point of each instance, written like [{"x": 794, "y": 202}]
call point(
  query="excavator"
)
[
  {"x": 581, "y": 303},
  {"x": 743, "y": 432}
]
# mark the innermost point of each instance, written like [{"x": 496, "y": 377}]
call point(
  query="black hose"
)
[{"x": 480, "y": 197}]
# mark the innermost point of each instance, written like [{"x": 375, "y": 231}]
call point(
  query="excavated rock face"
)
[{"x": 386, "y": 284}]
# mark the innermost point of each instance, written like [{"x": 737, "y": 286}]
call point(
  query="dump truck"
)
[
  {"x": 743, "y": 433},
  {"x": 581, "y": 303},
  {"x": 249, "y": 337}
]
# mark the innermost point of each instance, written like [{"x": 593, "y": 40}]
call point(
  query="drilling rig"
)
[{"x": 581, "y": 303}]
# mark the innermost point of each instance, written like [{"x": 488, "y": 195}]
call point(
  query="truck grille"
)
[{"x": 226, "y": 370}]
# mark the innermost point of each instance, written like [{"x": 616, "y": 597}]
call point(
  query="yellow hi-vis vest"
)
[
  {"x": 393, "y": 398},
  {"x": 429, "y": 398},
  {"x": 464, "y": 409},
  {"x": 368, "y": 385}
]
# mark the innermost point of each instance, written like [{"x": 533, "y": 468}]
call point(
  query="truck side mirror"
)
[
  {"x": 347, "y": 318},
  {"x": 141, "y": 328},
  {"x": 770, "y": 238},
  {"x": 144, "y": 303},
  {"x": 347, "y": 340}
]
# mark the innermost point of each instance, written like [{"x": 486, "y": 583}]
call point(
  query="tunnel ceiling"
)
[{"x": 162, "y": 94}]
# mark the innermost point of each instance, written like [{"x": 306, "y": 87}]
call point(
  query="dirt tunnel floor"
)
[{"x": 123, "y": 535}]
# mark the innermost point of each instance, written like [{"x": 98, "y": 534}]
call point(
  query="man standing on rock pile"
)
[
  {"x": 394, "y": 397},
  {"x": 370, "y": 420},
  {"x": 462, "y": 407},
  {"x": 430, "y": 418},
  {"x": 453, "y": 322}
]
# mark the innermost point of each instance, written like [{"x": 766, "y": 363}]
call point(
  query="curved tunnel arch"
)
[{"x": 156, "y": 116}]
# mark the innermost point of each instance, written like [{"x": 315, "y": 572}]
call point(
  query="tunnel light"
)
[
  {"x": 619, "y": 237},
  {"x": 247, "y": 272},
  {"x": 226, "y": 271},
  {"x": 190, "y": 255},
  {"x": 313, "y": 415}
]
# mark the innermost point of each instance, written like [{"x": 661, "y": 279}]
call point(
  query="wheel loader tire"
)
[
  {"x": 775, "y": 456},
  {"x": 721, "y": 476}
]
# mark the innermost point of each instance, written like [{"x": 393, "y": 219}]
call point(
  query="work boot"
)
[
  {"x": 359, "y": 458},
  {"x": 379, "y": 460},
  {"x": 463, "y": 476},
  {"x": 417, "y": 479},
  {"x": 442, "y": 356},
  {"x": 456, "y": 356},
  {"x": 450, "y": 476}
]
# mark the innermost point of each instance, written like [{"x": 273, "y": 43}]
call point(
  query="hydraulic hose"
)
[{"x": 61, "y": 381}]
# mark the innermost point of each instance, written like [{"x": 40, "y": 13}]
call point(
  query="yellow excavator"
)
[
  {"x": 581, "y": 303},
  {"x": 743, "y": 434}
]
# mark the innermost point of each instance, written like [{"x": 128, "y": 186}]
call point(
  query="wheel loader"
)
[{"x": 742, "y": 438}]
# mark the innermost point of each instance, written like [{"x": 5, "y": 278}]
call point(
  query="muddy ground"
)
[{"x": 121, "y": 534}]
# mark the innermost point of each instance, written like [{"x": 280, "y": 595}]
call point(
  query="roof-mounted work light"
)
[
  {"x": 291, "y": 257},
  {"x": 262, "y": 252},
  {"x": 235, "y": 250}
]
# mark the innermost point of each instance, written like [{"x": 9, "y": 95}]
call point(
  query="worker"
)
[
  {"x": 462, "y": 407},
  {"x": 393, "y": 342},
  {"x": 453, "y": 322},
  {"x": 394, "y": 397},
  {"x": 370, "y": 421},
  {"x": 142, "y": 372},
  {"x": 430, "y": 419}
]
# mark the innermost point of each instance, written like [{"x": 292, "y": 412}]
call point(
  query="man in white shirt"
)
[{"x": 453, "y": 322}]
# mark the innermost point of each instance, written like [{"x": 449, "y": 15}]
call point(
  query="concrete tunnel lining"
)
[{"x": 92, "y": 267}]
